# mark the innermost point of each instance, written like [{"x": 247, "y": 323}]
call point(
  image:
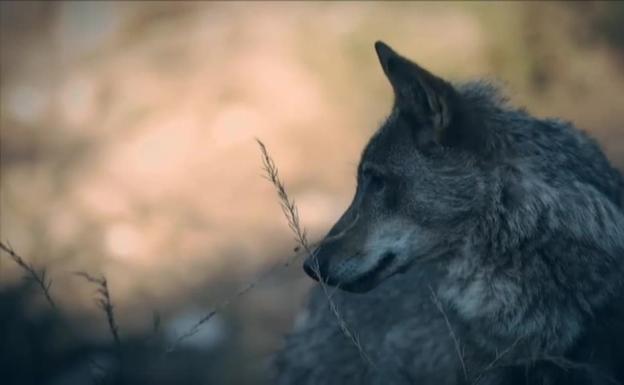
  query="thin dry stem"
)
[
  {"x": 496, "y": 359},
  {"x": 290, "y": 211},
  {"x": 288, "y": 206},
  {"x": 104, "y": 302},
  {"x": 40, "y": 278},
  {"x": 221, "y": 306},
  {"x": 456, "y": 342}
]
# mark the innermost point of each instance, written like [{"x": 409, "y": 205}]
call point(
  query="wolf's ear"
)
[{"x": 417, "y": 90}]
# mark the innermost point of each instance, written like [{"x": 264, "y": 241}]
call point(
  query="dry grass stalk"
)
[
  {"x": 40, "y": 278},
  {"x": 290, "y": 211},
  {"x": 495, "y": 361},
  {"x": 456, "y": 343},
  {"x": 104, "y": 302},
  {"x": 220, "y": 307}
]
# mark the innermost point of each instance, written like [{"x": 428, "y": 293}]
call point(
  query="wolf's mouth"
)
[{"x": 370, "y": 279}]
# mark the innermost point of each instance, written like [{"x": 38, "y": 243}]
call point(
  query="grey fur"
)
[{"x": 517, "y": 225}]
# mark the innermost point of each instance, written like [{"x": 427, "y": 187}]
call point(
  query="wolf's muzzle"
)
[
  {"x": 318, "y": 271},
  {"x": 310, "y": 269}
]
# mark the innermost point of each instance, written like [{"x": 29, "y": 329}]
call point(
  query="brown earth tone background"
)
[{"x": 127, "y": 149}]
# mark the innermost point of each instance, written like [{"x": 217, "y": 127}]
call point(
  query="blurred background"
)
[{"x": 127, "y": 150}]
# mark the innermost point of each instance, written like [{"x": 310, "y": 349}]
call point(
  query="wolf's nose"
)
[{"x": 309, "y": 270}]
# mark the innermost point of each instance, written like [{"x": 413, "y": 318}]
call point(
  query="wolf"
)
[{"x": 482, "y": 246}]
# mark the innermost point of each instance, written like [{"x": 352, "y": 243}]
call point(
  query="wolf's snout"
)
[
  {"x": 315, "y": 265},
  {"x": 309, "y": 268}
]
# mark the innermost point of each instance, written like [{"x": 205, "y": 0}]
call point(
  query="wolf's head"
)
[{"x": 417, "y": 184}]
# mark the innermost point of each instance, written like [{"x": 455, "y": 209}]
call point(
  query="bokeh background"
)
[{"x": 127, "y": 149}]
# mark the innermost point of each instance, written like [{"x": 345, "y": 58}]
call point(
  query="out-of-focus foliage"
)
[{"x": 127, "y": 146}]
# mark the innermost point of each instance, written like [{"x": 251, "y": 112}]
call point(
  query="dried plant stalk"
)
[
  {"x": 40, "y": 278},
  {"x": 105, "y": 303},
  {"x": 456, "y": 343},
  {"x": 290, "y": 211}
]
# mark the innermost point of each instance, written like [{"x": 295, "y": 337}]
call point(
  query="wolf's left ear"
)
[{"x": 430, "y": 98}]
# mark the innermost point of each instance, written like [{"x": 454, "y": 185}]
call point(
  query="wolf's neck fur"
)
[{"x": 537, "y": 265}]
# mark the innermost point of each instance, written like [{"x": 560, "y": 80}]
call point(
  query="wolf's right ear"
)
[{"x": 418, "y": 90}]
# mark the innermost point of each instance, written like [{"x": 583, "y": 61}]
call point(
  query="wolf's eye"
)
[{"x": 375, "y": 180}]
